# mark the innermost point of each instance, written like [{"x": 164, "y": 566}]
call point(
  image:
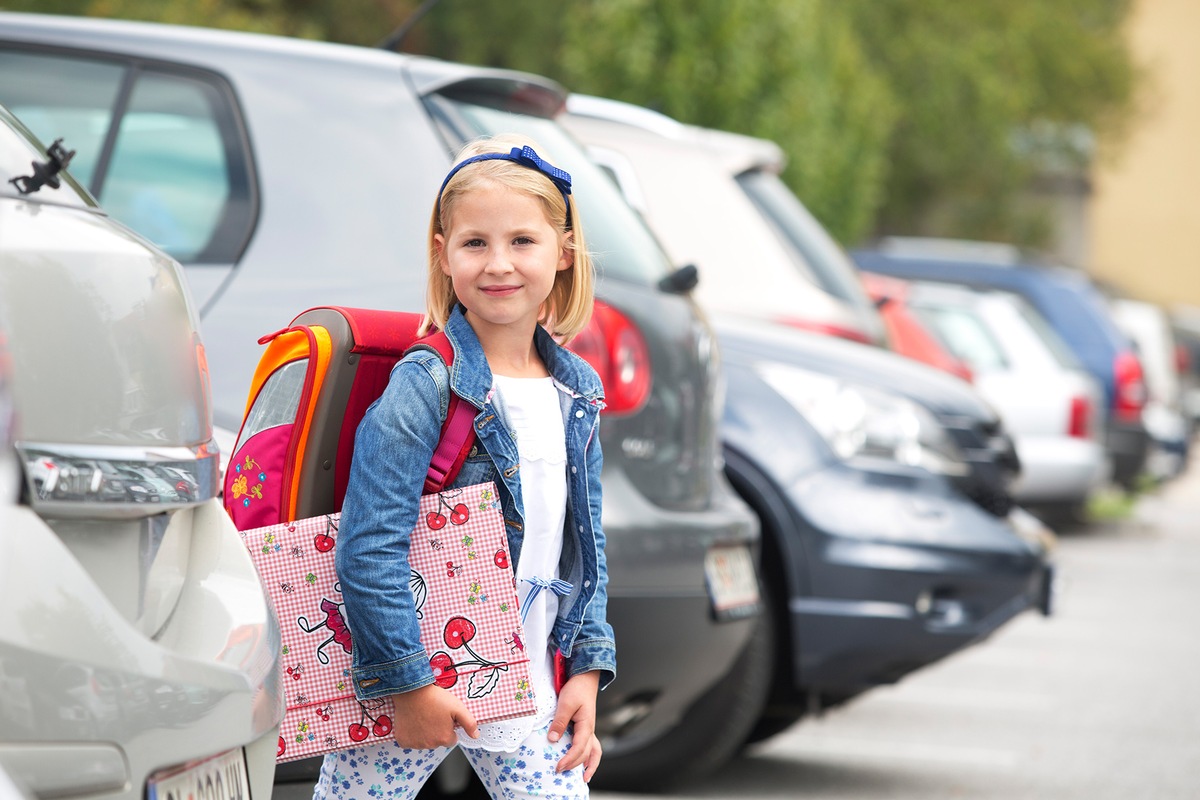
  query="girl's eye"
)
[
  {"x": 473, "y": 243},
  {"x": 523, "y": 240}
]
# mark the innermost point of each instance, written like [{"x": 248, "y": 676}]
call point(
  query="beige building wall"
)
[{"x": 1144, "y": 216}]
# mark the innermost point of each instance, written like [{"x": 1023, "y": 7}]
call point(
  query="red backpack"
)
[{"x": 310, "y": 390}]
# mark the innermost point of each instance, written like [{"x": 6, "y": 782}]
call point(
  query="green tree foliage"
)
[
  {"x": 351, "y": 21},
  {"x": 897, "y": 116},
  {"x": 786, "y": 70},
  {"x": 989, "y": 94}
]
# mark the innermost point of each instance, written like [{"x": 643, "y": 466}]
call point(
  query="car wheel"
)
[
  {"x": 776, "y": 720},
  {"x": 784, "y": 706},
  {"x": 711, "y": 732}
]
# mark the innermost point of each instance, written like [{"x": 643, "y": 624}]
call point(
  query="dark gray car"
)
[{"x": 287, "y": 174}]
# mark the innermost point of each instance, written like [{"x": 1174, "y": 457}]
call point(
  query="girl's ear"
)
[
  {"x": 566, "y": 258},
  {"x": 439, "y": 246}
]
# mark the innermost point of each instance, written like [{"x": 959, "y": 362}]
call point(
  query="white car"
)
[
  {"x": 140, "y": 656},
  {"x": 695, "y": 185},
  {"x": 1048, "y": 402},
  {"x": 1165, "y": 417}
]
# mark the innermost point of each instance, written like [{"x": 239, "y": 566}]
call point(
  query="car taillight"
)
[
  {"x": 1080, "y": 423},
  {"x": 617, "y": 351},
  {"x": 827, "y": 329},
  {"x": 1130, "y": 387}
]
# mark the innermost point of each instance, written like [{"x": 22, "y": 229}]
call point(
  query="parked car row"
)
[
  {"x": 751, "y": 408},
  {"x": 1053, "y": 407},
  {"x": 1072, "y": 305}
]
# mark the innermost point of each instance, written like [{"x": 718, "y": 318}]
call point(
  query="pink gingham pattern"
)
[{"x": 466, "y": 599}]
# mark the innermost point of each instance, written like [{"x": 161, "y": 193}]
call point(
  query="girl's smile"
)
[{"x": 499, "y": 291}]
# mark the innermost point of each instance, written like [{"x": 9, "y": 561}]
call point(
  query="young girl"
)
[{"x": 509, "y": 273}]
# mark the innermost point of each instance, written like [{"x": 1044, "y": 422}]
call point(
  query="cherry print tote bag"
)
[{"x": 466, "y": 603}]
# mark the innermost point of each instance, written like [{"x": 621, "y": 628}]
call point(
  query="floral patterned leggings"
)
[{"x": 386, "y": 771}]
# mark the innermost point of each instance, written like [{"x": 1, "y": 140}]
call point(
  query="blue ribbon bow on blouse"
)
[{"x": 560, "y": 588}]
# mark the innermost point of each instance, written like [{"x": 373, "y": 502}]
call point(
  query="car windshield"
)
[
  {"x": 964, "y": 335},
  {"x": 622, "y": 245},
  {"x": 1054, "y": 343},
  {"x": 827, "y": 263},
  {"x": 19, "y": 151}
]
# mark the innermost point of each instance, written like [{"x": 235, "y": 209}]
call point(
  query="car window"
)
[
  {"x": 621, "y": 244},
  {"x": 1054, "y": 343},
  {"x": 824, "y": 261},
  {"x": 160, "y": 149},
  {"x": 964, "y": 335},
  {"x": 19, "y": 150}
]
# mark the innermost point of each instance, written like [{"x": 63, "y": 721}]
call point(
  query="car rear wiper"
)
[{"x": 45, "y": 173}]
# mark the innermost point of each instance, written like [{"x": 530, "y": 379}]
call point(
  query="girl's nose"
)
[{"x": 499, "y": 262}]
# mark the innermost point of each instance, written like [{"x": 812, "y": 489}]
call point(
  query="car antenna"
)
[
  {"x": 396, "y": 37},
  {"x": 45, "y": 173}
]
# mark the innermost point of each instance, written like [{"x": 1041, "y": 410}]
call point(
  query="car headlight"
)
[{"x": 862, "y": 422}]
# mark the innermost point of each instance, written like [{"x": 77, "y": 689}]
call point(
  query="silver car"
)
[
  {"x": 139, "y": 659},
  {"x": 287, "y": 174},
  {"x": 1051, "y": 405}
]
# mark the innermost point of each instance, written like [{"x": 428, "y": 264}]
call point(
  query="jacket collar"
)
[{"x": 471, "y": 378}]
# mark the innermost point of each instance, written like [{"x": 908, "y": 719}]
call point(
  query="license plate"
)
[
  {"x": 221, "y": 777},
  {"x": 732, "y": 581}
]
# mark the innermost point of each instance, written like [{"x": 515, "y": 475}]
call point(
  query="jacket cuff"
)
[
  {"x": 396, "y": 677},
  {"x": 590, "y": 655}
]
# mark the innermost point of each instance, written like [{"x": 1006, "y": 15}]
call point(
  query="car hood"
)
[
  {"x": 83, "y": 370},
  {"x": 941, "y": 393}
]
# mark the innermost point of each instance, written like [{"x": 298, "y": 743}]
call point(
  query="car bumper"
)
[
  {"x": 1128, "y": 445},
  {"x": 671, "y": 646},
  {"x": 1059, "y": 469},
  {"x": 105, "y": 706},
  {"x": 902, "y": 574}
]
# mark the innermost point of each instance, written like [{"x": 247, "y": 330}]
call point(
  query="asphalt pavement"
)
[{"x": 1099, "y": 701}]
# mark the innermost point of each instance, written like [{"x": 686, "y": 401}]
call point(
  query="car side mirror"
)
[{"x": 681, "y": 281}]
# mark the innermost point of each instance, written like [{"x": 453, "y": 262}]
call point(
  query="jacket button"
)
[
  {"x": 579, "y": 413},
  {"x": 574, "y": 470},
  {"x": 586, "y": 584}
]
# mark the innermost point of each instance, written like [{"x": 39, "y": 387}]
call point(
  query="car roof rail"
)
[{"x": 933, "y": 248}]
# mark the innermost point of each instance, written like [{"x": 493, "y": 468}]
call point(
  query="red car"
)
[{"x": 906, "y": 334}]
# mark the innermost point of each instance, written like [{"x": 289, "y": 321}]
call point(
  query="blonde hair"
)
[{"x": 569, "y": 306}]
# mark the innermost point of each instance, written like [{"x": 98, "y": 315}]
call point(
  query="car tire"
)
[
  {"x": 777, "y": 720},
  {"x": 711, "y": 732},
  {"x": 784, "y": 705}
]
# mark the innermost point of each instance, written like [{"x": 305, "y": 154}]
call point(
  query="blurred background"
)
[{"x": 1065, "y": 127}]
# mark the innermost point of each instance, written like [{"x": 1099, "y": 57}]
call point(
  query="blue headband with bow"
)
[{"x": 525, "y": 156}]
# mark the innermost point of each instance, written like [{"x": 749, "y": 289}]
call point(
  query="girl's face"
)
[{"x": 502, "y": 255}]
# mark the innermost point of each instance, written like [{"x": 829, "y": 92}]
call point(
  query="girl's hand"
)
[
  {"x": 426, "y": 717},
  {"x": 577, "y": 706}
]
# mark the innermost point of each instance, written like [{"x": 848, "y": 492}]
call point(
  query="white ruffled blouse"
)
[{"x": 533, "y": 408}]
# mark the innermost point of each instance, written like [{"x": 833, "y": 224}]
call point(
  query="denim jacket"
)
[{"x": 392, "y": 450}]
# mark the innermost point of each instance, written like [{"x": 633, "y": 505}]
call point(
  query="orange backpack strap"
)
[{"x": 458, "y": 431}]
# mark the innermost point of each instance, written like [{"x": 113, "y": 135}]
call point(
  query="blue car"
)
[{"x": 1070, "y": 302}]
